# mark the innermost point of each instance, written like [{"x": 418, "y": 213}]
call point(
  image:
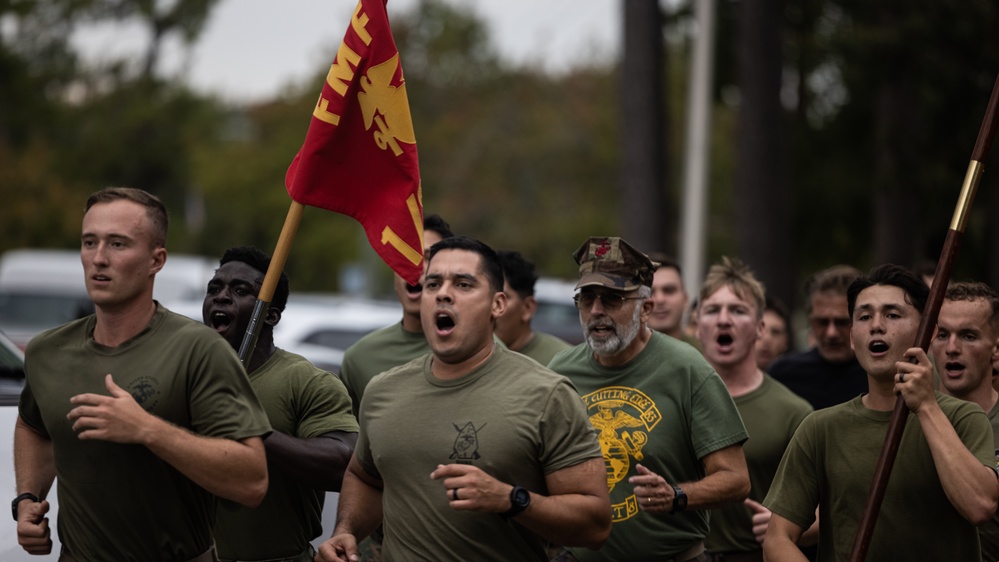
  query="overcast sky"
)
[{"x": 250, "y": 49}]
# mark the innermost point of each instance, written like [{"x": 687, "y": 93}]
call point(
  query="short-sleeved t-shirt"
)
[
  {"x": 121, "y": 501},
  {"x": 666, "y": 409},
  {"x": 830, "y": 464},
  {"x": 510, "y": 417},
  {"x": 376, "y": 353},
  {"x": 771, "y": 413},
  {"x": 989, "y": 532},
  {"x": 301, "y": 401},
  {"x": 543, "y": 347}
]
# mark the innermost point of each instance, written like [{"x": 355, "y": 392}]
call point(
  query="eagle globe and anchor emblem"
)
[{"x": 623, "y": 417}]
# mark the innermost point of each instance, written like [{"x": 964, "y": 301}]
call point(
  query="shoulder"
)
[
  {"x": 400, "y": 374},
  {"x": 785, "y": 395},
  {"x": 955, "y": 408},
  {"x": 296, "y": 365},
  {"x": 69, "y": 329},
  {"x": 374, "y": 339}
]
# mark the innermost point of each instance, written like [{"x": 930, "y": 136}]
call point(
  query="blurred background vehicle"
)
[
  {"x": 557, "y": 314},
  {"x": 317, "y": 326},
  {"x": 43, "y": 288},
  {"x": 11, "y": 382}
]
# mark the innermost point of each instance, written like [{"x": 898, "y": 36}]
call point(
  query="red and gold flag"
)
[{"x": 359, "y": 156}]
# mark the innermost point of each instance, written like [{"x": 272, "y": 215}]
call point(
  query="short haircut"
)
[
  {"x": 665, "y": 261},
  {"x": 435, "y": 223},
  {"x": 156, "y": 211},
  {"x": 519, "y": 272},
  {"x": 732, "y": 272},
  {"x": 490, "y": 261},
  {"x": 835, "y": 279},
  {"x": 975, "y": 291},
  {"x": 889, "y": 274},
  {"x": 259, "y": 261}
]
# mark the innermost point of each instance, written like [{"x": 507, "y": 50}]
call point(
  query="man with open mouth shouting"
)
[
  {"x": 730, "y": 323},
  {"x": 944, "y": 481},
  {"x": 670, "y": 435},
  {"x": 472, "y": 452},
  {"x": 309, "y": 410},
  {"x": 964, "y": 348}
]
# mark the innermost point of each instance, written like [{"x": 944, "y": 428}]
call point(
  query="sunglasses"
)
[{"x": 610, "y": 300}]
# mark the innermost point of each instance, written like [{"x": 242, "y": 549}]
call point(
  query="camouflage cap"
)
[{"x": 611, "y": 262}]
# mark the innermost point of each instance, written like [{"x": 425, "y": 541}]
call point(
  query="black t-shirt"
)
[{"x": 818, "y": 381}]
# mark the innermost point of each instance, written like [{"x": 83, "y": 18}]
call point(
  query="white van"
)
[{"x": 43, "y": 288}]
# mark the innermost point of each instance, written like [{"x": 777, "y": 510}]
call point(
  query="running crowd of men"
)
[{"x": 461, "y": 433}]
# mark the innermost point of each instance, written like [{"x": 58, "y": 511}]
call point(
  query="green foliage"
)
[{"x": 884, "y": 100}]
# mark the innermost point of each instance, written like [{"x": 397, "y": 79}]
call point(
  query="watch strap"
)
[
  {"x": 679, "y": 499},
  {"x": 20, "y": 498},
  {"x": 516, "y": 504}
]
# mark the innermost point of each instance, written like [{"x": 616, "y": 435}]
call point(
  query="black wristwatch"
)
[
  {"x": 519, "y": 500},
  {"x": 19, "y": 499},
  {"x": 679, "y": 500}
]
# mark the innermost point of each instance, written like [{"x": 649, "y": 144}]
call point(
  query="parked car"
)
[
  {"x": 319, "y": 327},
  {"x": 11, "y": 382},
  {"x": 41, "y": 289},
  {"x": 557, "y": 314}
]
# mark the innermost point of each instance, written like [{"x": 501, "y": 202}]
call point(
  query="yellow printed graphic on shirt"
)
[{"x": 623, "y": 417}]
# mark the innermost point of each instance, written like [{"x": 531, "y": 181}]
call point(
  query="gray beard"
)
[{"x": 622, "y": 337}]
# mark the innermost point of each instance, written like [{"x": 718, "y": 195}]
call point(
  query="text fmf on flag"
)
[{"x": 359, "y": 156}]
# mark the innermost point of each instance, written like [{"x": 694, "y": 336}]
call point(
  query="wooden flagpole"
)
[
  {"x": 266, "y": 294},
  {"x": 945, "y": 267}
]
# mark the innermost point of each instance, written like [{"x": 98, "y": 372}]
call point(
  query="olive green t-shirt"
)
[
  {"x": 771, "y": 413},
  {"x": 119, "y": 501},
  {"x": 830, "y": 465},
  {"x": 510, "y": 417},
  {"x": 666, "y": 409},
  {"x": 543, "y": 347},
  {"x": 989, "y": 532},
  {"x": 376, "y": 353},
  {"x": 301, "y": 401}
]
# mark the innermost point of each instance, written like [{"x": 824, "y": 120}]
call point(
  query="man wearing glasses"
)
[
  {"x": 669, "y": 432},
  {"x": 828, "y": 374}
]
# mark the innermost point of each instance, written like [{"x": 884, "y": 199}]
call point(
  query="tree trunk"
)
[
  {"x": 645, "y": 212},
  {"x": 762, "y": 223}
]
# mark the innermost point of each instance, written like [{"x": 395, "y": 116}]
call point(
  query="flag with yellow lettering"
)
[{"x": 359, "y": 156}]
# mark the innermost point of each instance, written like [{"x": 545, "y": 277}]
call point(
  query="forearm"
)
[
  {"x": 970, "y": 486},
  {"x": 320, "y": 461},
  {"x": 234, "y": 470},
  {"x": 781, "y": 543},
  {"x": 576, "y": 511},
  {"x": 34, "y": 461},
  {"x": 568, "y": 519},
  {"x": 722, "y": 487},
  {"x": 359, "y": 510},
  {"x": 782, "y": 549}
]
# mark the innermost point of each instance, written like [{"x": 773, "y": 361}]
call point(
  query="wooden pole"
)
[
  {"x": 945, "y": 266},
  {"x": 278, "y": 260}
]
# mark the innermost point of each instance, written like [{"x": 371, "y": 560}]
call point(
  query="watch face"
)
[{"x": 522, "y": 497}]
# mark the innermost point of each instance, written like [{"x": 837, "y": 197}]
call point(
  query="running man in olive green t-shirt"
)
[
  {"x": 142, "y": 417},
  {"x": 944, "y": 482},
  {"x": 963, "y": 350},
  {"x": 453, "y": 456},
  {"x": 670, "y": 435},
  {"x": 730, "y": 323},
  {"x": 313, "y": 433}
]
